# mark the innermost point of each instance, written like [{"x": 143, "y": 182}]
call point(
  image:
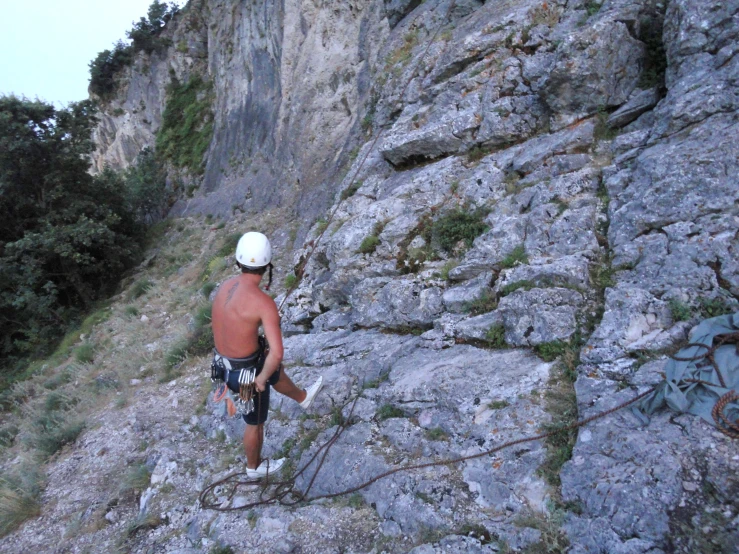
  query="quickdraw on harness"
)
[{"x": 221, "y": 371}]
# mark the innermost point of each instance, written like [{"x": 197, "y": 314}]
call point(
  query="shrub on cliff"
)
[
  {"x": 187, "y": 124},
  {"x": 145, "y": 36}
]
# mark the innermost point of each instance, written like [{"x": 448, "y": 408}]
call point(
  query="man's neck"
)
[{"x": 251, "y": 279}]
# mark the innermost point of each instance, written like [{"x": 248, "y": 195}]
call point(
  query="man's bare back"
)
[{"x": 239, "y": 308}]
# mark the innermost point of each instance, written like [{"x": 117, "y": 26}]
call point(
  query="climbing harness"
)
[{"x": 226, "y": 378}]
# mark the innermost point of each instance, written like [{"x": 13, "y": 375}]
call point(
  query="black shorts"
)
[{"x": 261, "y": 400}]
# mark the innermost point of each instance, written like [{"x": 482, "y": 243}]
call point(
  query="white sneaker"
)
[
  {"x": 267, "y": 466},
  {"x": 311, "y": 393}
]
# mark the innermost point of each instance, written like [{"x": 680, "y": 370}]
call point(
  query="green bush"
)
[
  {"x": 228, "y": 248},
  {"x": 20, "y": 496},
  {"x": 50, "y": 431},
  {"x": 291, "y": 280},
  {"x": 495, "y": 336},
  {"x": 139, "y": 288},
  {"x": 187, "y": 124},
  {"x": 369, "y": 244},
  {"x": 514, "y": 257},
  {"x": 498, "y": 404},
  {"x": 457, "y": 226},
  {"x": 436, "y": 434},
  {"x": 679, "y": 310},
  {"x": 105, "y": 66},
  {"x": 131, "y": 311},
  {"x": 57, "y": 255},
  {"x": 84, "y": 353},
  {"x": 207, "y": 289},
  {"x": 483, "y": 304},
  {"x": 550, "y": 351},
  {"x": 447, "y": 267}
]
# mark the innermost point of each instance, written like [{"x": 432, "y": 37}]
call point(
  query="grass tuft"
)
[
  {"x": 388, "y": 411},
  {"x": 495, "y": 336},
  {"x": 515, "y": 257},
  {"x": 139, "y": 288},
  {"x": 84, "y": 353},
  {"x": 483, "y": 304},
  {"x": 369, "y": 244}
]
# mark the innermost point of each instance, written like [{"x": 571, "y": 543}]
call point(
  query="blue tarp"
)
[{"x": 699, "y": 399}]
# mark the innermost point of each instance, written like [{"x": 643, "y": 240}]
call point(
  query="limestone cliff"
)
[{"x": 551, "y": 206}]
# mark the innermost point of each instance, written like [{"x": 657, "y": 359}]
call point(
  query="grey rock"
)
[
  {"x": 598, "y": 66},
  {"x": 476, "y": 328},
  {"x": 630, "y": 314},
  {"x": 456, "y": 299},
  {"x": 428, "y": 133},
  {"x": 538, "y": 316},
  {"x": 572, "y": 271},
  {"x": 511, "y": 119},
  {"x": 395, "y": 10},
  {"x": 395, "y": 303},
  {"x": 639, "y": 102}
]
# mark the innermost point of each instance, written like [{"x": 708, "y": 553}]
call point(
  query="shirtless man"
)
[{"x": 239, "y": 308}]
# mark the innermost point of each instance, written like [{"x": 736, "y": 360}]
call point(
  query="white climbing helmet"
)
[{"x": 253, "y": 250}]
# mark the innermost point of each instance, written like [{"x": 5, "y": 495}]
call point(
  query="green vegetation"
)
[
  {"x": 592, "y": 7},
  {"x": 447, "y": 267},
  {"x": 187, "y": 124},
  {"x": 495, "y": 336},
  {"x": 145, "y": 37},
  {"x": 386, "y": 411},
  {"x": 515, "y": 257},
  {"x": 138, "y": 289},
  {"x": 552, "y": 539},
  {"x": 483, "y": 304},
  {"x": 321, "y": 225},
  {"x": 550, "y": 351},
  {"x": 436, "y": 434},
  {"x": 85, "y": 353},
  {"x": 403, "y": 54},
  {"x": 603, "y": 131},
  {"x": 20, "y": 496},
  {"x": 228, "y": 248},
  {"x": 517, "y": 285},
  {"x": 477, "y": 153},
  {"x": 498, "y": 404},
  {"x": 679, "y": 310},
  {"x": 290, "y": 280},
  {"x": 135, "y": 480},
  {"x": 64, "y": 232},
  {"x": 369, "y": 244},
  {"x": 105, "y": 66},
  {"x": 457, "y": 226},
  {"x": 714, "y": 307},
  {"x": 561, "y": 404},
  {"x": 351, "y": 190},
  {"x": 225, "y": 549},
  {"x": 131, "y": 311}
]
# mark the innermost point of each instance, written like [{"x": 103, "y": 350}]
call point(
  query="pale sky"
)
[{"x": 45, "y": 45}]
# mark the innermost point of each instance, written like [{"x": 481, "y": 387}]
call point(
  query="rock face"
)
[{"x": 556, "y": 176}]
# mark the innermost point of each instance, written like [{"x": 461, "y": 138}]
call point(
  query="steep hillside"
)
[{"x": 550, "y": 207}]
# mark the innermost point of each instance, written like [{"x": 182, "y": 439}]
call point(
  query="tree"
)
[{"x": 65, "y": 236}]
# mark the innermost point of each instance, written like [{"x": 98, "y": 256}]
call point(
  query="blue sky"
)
[{"x": 45, "y": 45}]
